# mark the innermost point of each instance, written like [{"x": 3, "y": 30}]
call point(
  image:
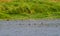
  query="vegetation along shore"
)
[{"x": 29, "y": 9}]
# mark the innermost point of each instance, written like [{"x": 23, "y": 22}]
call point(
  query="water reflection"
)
[{"x": 40, "y": 25}]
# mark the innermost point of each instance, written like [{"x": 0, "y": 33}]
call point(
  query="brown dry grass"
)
[
  {"x": 5, "y": 0},
  {"x": 54, "y": 0}
]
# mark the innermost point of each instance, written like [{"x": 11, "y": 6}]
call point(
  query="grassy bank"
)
[{"x": 29, "y": 9}]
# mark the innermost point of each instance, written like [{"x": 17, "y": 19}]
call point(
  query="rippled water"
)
[{"x": 18, "y": 29}]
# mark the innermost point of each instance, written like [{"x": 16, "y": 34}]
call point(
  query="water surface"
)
[{"x": 15, "y": 28}]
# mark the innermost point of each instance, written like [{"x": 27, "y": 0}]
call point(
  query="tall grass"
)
[{"x": 29, "y": 9}]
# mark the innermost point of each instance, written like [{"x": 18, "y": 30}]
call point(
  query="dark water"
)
[{"x": 19, "y": 28}]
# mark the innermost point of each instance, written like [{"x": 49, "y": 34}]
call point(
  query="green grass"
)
[{"x": 30, "y": 9}]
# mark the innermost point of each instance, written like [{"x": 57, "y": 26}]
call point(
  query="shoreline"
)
[{"x": 56, "y": 21}]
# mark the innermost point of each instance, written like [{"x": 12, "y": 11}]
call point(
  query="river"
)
[{"x": 30, "y": 28}]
